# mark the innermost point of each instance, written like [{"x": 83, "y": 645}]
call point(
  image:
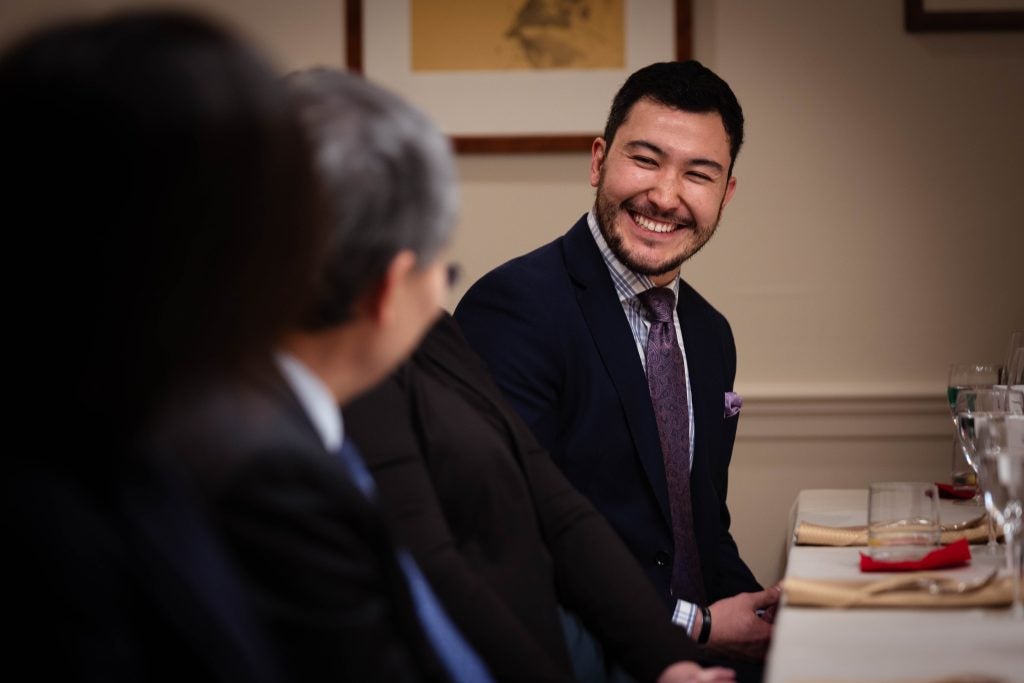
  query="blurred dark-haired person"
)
[
  {"x": 621, "y": 369},
  {"x": 159, "y": 183},
  {"x": 289, "y": 491}
]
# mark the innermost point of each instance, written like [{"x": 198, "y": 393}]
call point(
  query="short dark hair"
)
[
  {"x": 687, "y": 86},
  {"x": 164, "y": 195},
  {"x": 390, "y": 180}
]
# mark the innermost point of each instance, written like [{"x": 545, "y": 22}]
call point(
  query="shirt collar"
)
[
  {"x": 627, "y": 283},
  {"x": 316, "y": 399}
]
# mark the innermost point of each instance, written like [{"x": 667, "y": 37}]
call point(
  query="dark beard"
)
[{"x": 606, "y": 212}]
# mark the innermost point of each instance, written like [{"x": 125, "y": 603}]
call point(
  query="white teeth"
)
[{"x": 653, "y": 226}]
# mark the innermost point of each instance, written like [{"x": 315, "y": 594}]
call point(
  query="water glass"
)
[
  {"x": 1000, "y": 441},
  {"x": 965, "y": 376},
  {"x": 903, "y": 520},
  {"x": 972, "y": 406},
  {"x": 1014, "y": 372}
]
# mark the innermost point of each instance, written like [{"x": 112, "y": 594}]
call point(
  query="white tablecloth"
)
[{"x": 891, "y": 645}]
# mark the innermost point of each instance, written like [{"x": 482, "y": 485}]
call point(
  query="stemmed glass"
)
[
  {"x": 1000, "y": 444},
  {"x": 967, "y": 376},
  {"x": 973, "y": 405},
  {"x": 1014, "y": 373}
]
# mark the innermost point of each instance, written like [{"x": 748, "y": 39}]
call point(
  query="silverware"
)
[
  {"x": 935, "y": 584},
  {"x": 966, "y": 524}
]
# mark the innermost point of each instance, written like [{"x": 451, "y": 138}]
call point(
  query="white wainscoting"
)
[{"x": 791, "y": 441}]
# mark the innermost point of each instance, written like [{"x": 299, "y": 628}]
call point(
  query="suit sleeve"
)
[
  {"x": 319, "y": 566},
  {"x": 598, "y": 578},
  {"x": 734, "y": 575},
  {"x": 381, "y": 423}
]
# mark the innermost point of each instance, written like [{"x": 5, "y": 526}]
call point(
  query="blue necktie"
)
[{"x": 458, "y": 657}]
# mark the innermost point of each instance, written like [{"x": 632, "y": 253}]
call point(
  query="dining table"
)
[{"x": 920, "y": 644}]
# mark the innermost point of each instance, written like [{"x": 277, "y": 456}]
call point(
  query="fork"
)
[
  {"x": 966, "y": 524},
  {"x": 935, "y": 584}
]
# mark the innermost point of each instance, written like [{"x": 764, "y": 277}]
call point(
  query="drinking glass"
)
[
  {"x": 978, "y": 404},
  {"x": 967, "y": 376},
  {"x": 903, "y": 520},
  {"x": 1000, "y": 442},
  {"x": 1014, "y": 372}
]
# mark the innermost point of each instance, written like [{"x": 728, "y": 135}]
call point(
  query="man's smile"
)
[{"x": 654, "y": 225}]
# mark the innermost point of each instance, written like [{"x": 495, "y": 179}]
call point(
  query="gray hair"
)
[{"x": 389, "y": 177}]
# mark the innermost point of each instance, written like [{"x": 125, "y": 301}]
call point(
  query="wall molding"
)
[{"x": 860, "y": 415}]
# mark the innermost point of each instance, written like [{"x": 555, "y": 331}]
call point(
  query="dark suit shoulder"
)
[
  {"x": 694, "y": 300},
  {"x": 446, "y": 349},
  {"x": 253, "y": 452},
  {"x": 525, "y": 274},
  {"x": 695, "y": 307},
  {"x": 522, "y": 299},
  {"x": 317, "y": 554},
  {"x": 221, "y": 428}
]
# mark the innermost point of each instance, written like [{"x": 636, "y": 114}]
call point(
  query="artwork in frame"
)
[
  {"x": 921, "y": 16},
  {"x": 513, "y": 75}
]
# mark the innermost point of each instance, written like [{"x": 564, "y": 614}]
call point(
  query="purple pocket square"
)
[{"x": 733, "y": 403}]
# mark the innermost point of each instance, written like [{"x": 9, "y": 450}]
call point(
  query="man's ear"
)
[
  {"x": 379, "y": 304},
  {"x": 598, "y": 149},
  {"x": 730, "y": 190}
]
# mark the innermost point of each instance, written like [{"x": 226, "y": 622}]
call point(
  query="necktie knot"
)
[{"x": 658, "y": 302}]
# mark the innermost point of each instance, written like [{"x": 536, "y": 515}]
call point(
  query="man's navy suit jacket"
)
[
  {"x": 317, "y": 555},
  {"x": 552, "y": 329}
]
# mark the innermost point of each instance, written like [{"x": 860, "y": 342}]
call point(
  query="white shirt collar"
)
[{"x": 316, "y": 399}]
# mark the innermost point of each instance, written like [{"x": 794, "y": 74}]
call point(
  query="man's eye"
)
[
  {"x": 644, "y": 161},
  {"x": 699, "y": 176}
]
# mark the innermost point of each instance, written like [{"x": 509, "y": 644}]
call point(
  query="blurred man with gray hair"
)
[{"x": 290, "y": 494}]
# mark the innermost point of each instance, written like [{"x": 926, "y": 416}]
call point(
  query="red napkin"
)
[
  {"x": 952, "y": 555},
  {"x": 950, "y": 491}
]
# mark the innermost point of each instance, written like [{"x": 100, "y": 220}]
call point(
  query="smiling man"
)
[
  {"x": 622, "y": 370},
  {"x": 661, "y": 186}
]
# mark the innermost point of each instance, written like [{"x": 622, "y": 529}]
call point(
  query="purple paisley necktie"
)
[{"x": 666, "y": 378}]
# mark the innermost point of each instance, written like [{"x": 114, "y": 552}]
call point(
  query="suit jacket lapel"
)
[
  {"x": 267, "y": 378},
  {"x": 700, "y": 355},
  {"x": 602, "y": 311},
  {"x": 366, "y": 512}
]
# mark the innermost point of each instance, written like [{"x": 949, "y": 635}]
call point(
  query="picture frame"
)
[
  {"x": 963, "y": 16},
  {"x": 535, "y": 110}
]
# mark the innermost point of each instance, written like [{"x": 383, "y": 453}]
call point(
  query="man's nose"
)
[{"x": 667, "y": 192}]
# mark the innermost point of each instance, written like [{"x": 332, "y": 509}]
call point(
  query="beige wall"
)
[
  {"x": 877, "y": 233},
  {"x": 297, "y": 33}
]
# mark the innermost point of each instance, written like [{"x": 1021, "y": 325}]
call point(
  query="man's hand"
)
[
  {"x": 688, "y": 672},
  {"x": 736, "y": 631},
  {"x": 768, "y": 613}
]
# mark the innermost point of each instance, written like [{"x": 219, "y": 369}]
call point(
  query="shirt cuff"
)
[{"x": 685, "y": 615}]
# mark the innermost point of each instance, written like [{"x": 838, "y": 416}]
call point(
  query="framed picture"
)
[
  {"x": 513, "y": 75},
  {"x": 963, "y": 15}
]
